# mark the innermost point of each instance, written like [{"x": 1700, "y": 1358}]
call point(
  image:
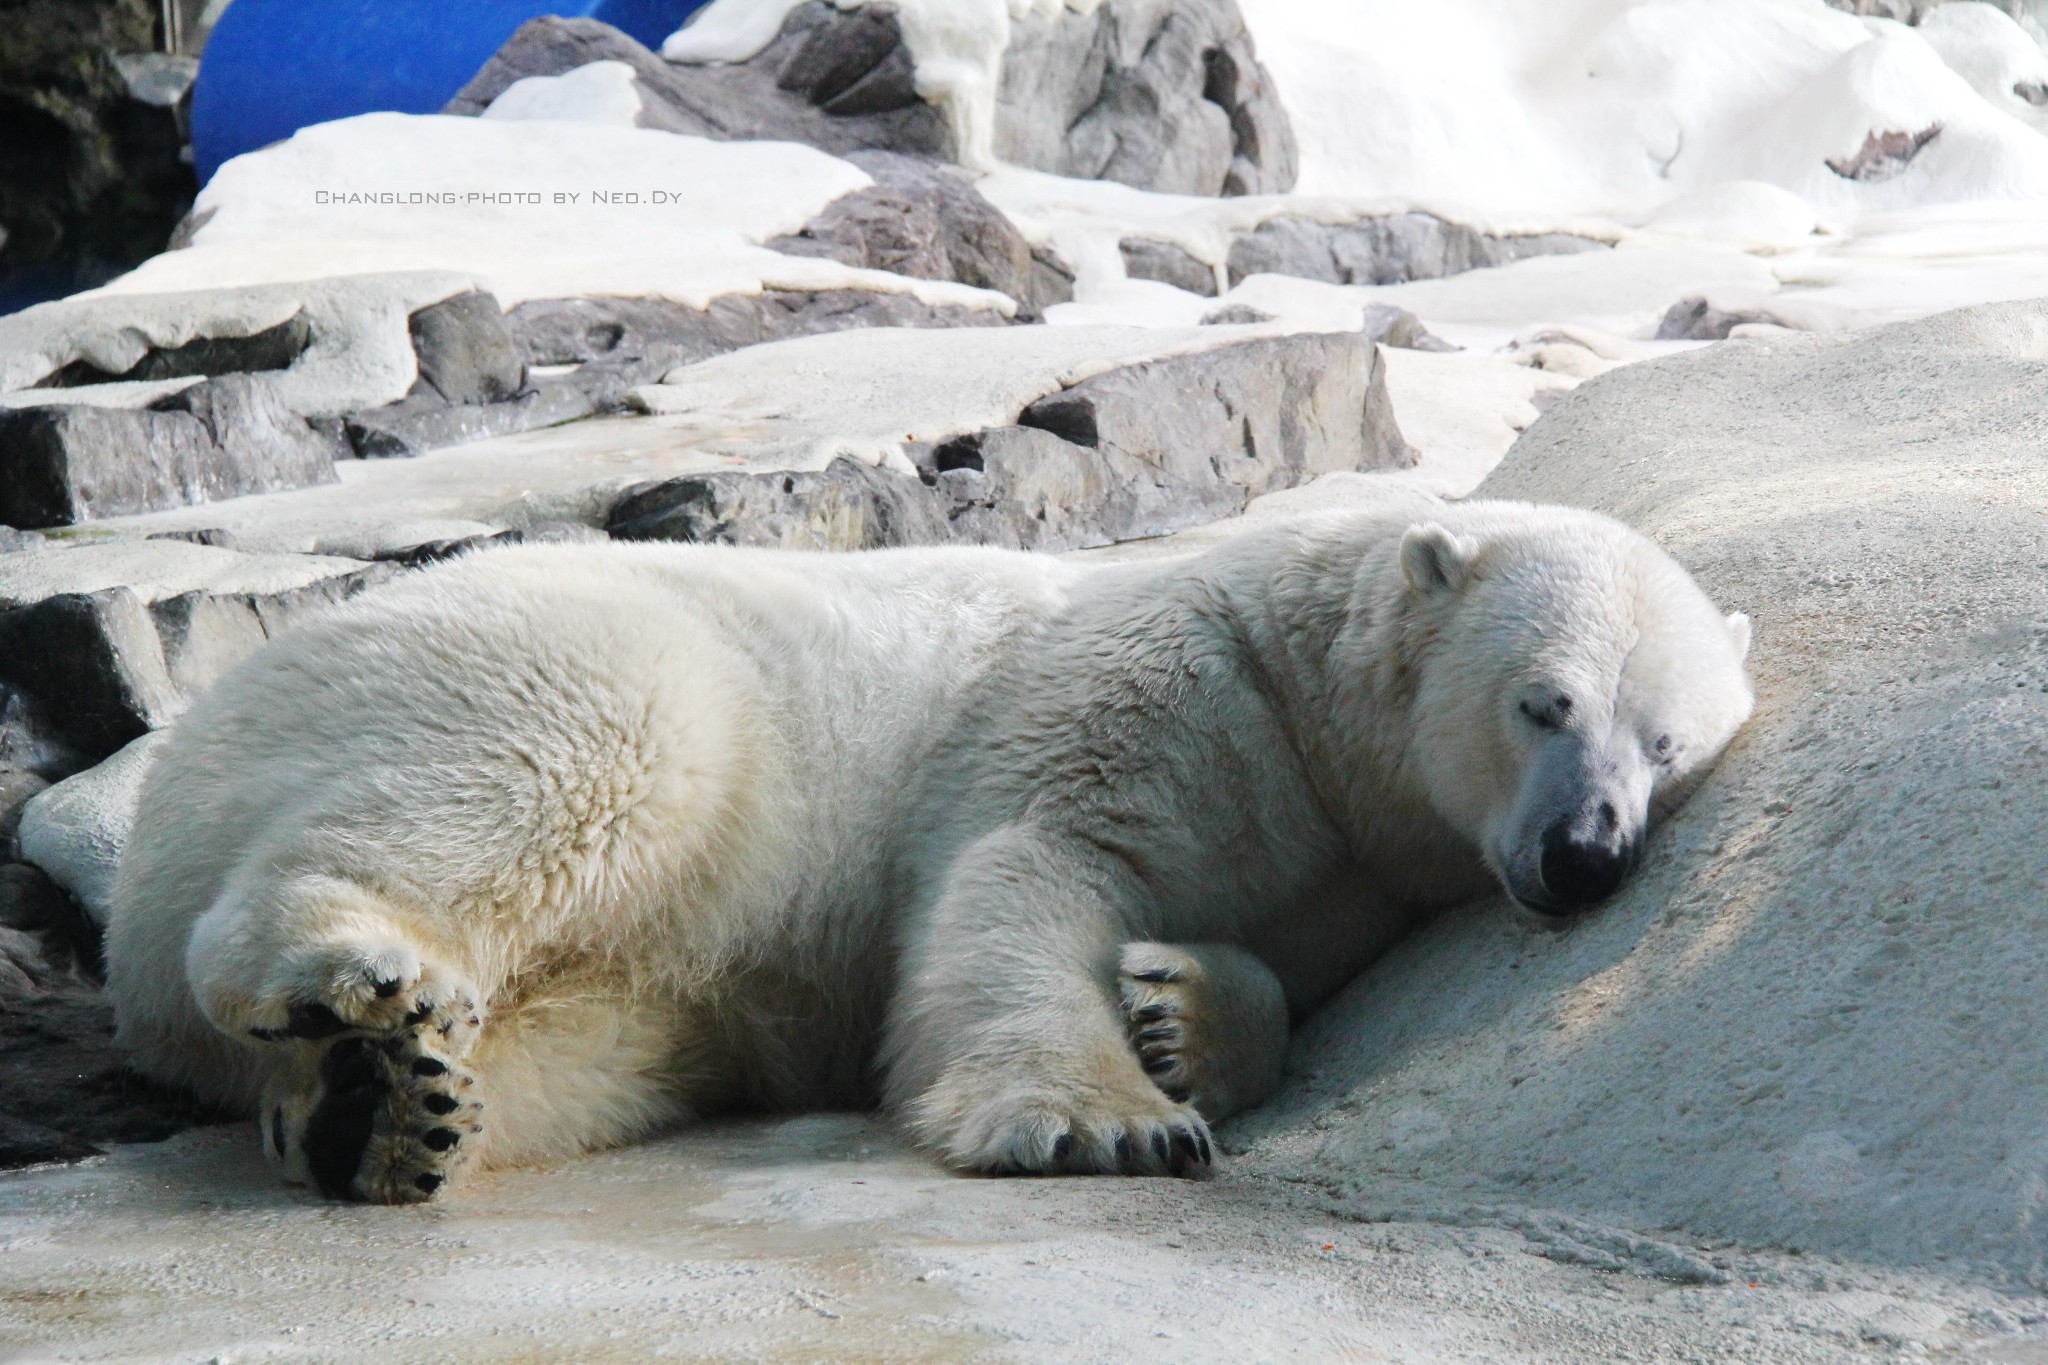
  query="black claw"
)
[
  {"x": 429, "y": 1066},
  {"x": 1186, "y": 1152},
  {"x": 427, "y": 1184},
  {"x": 419, "y": 1015},
  {"x": 1146, "y": 1014},
  {"x": 277, "y": 1129},
  {"x": 268, "y": 1035},
  {"x": 1123, "y": 1151},
  {"x": 385, "y": 989},
  {"x": 1159, "y": 1148},
  {"x": 1062, "y": 1147},
  {"x": 1156, "y": 975},
  {"x": 440, "y": 1104},
  {"x": 1208, "y": 1153},
  {"x": 1159, "y": 1033},
  {"x": 440, "y": 1139},
  {"x": 1159, "y": 1066}
]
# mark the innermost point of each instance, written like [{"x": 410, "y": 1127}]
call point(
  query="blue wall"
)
[{"x": 274, "y": 66}]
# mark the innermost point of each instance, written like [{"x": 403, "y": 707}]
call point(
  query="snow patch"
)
[{"x": 601, "y": 92}]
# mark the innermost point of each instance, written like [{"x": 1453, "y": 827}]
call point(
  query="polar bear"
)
[{"x": 548, "y": 848}]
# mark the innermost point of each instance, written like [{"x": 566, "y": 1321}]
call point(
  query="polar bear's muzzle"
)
[{"x": 1576, "y": 832}]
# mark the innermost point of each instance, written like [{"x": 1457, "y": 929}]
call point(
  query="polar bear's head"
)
[{"x": 1572, "y": 683}]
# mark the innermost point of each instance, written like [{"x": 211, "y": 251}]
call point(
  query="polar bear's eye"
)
[
  {"x": 1545, "y": 718},
  {"x": 1665, "y": 750}
]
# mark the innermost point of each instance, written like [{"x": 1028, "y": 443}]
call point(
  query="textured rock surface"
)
[
  {"x": 1814, "y": 1019},
  {"x": 1138, "y": 451},
  {"x": 93, "y": 666},
  {"x": 224, "y": 437},
  {"x": 839, "y": 81},
  {"x": 1147, "y": 259},
  {"x": 1389, "y": 249},
  {"x": 75, "y": 831},
  {"x": 927, "y": 221},
  {"x": 273, "y": 348},
  {"x": 466, "y": 352},
  {"x": 1161, "y": 97},
  {"x": 90, "y": 176}
]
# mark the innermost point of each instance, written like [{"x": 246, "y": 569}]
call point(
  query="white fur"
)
[{"x": 700, "y": 828}]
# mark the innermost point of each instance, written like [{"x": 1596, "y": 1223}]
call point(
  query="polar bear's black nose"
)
[{"x": 1577, "y": 871}]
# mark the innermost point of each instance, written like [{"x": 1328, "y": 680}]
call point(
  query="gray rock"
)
[
  {"x": 1162, "y": 97},
  {"x": 1235, "y": 315},
  {"x": 927, "y": 221},
  {"x": 1146, "y": 259},
  {"x": 1139, "y": 451},
  {"x": 1385, "y": 249},
  {"x": 1392, "y": 326},
  {"x": 93, "y": 665},
  {"x": 466, "y": 352},
  {"x": 17, "y": 787},
  {"x": 203, "y": 634},
  {"x": 836, "y": 80},
  {"x": 76, "y": 830},
  {"x": 220, "y": 438},
  {"x": 29, "y": 900},
  {"x": 540, "y": 533},
  {"x": 1697, "y": 319},
  {"x": 272, "y": 349},
  {"x": 425, "y": 422}
]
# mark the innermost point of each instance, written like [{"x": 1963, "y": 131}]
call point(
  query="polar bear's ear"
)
[
  {"x": 1738, "y": 631},
  {"x": 1434, "y": 560}
]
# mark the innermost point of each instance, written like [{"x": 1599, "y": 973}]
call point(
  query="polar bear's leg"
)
[
  {"x": 310, "y": 956},
  {"x": 1009, "y": 1049},
  {"x": 1209, "y": 1022}
]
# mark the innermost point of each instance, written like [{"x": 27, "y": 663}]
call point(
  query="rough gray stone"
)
[
  {"x": 1235, "y": 315},
  {"x": 836, "y": 80},
  {"x": 424, "y": 422},
  {"x": 220, "y": 438},
  {"x": 1392, "y": 326},
  {"x": 1136, "y": 452},
  {"x": 1697, "y": 319},
  {"x": 1146, "y": 259},
  {"x": 93, "y": 666},
  {"x": 203, "y": 634},
  {"x": 273, "y": 349},
  {"x": 540, "y": 533},
  {"x": 1385, "y": 249},
  {"x": 76, "y": 830},
  {"x": 927, "y": 221},
  {"x": 466, "y": 352},
  {"x": 1162, "y": 97}
]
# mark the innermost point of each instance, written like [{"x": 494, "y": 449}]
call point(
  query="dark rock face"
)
[
  {"x": 89, "y": 672},
  {"x": 1139, "y": 451},
  {"x": 1698, "y": 319},
  {"x": 927, "y": 221},
  {"x": 221, "y": 438},
  {"x": 274, "y": 349},
  {"x": 466, "y": 352},
  {"x": 90, "y": 177},
  {"x": 1146, "y": 259},
  {"x": 1390, "y": 249},
  {"x": 1162, "y": 97},
  {"x": 64, "y": 1089},
  {"x": 836, "y": 80}
]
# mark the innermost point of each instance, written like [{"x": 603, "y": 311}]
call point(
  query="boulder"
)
[
  {"x": 1160, "y": 97},
  {"x": 1167, "y": 98},
  {"x": 273, "y": 348},
  {"x": 1813, "y": 1020},
  {"x": 1148, "y": 259},
  {"x": 836, "y": 80},
  {"x": 66, "y": 462},
  {"x": 1134, "y": 451},
  {"x": 93, "y": 665},
  {"x": 466, "y": 352},
  {"x": 76, "y": 830},
  {"x": 927, "y": 221},
  {"x": 1385, "y": 249}
]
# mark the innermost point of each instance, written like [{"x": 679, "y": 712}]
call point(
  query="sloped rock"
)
[
  {"x": 1165, "y": 98},
  {"x": 1137, "y": 451},
  {"x": 64, "y": 463},
  {"x": 426, "y": 422},
  {"x": 1148, "y": 259},
  {"x": 837, "y": 80},
  {"x": 1161, "y": 97},
  {"x": 75, "y": 831},
  {"x": 927, "y": 221},
  {"x": 1393, "y": 326},
  {"x": 466, "y": 352},
  {"x": 1385, "y": 249}
]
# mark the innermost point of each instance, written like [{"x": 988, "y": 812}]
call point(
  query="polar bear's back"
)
[{"x": 553, "y": 745}]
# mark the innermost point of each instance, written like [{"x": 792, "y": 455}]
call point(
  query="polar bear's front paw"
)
[
  {"x": 383, "y": 1121},
  {"x": 1097, "y": 1126},
  {"x": 382, "y": 989}
]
